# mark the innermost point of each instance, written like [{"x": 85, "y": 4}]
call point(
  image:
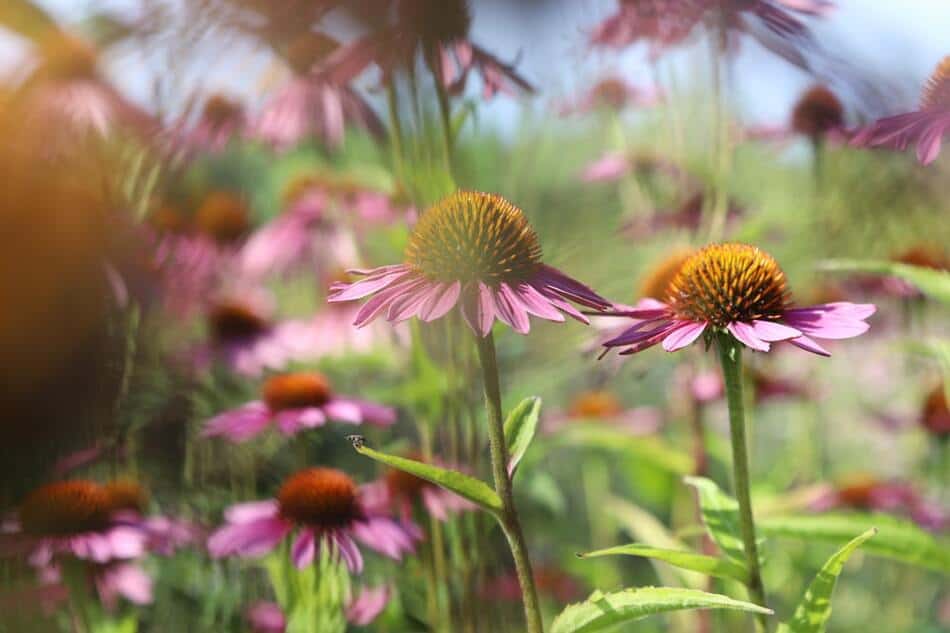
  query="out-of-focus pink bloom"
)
[
  {"x": 125, "y": 580},
  {"x": 294, "y": 402},
  {"x": 402, "y": 492},
  {"x": 867, "y": 493},
  {"x": 706, "y": 386},
  {"x": 603, "y": 407},
  {"x": 326, "y": 509},
  {"x": 267, "y": 617},
  {"x": 221, "y": 119},
  {"x": 935, "y": 416},
  {"x": 608, "y": 168},
  {"x": 455, "y": 259},
  {"x": 614, "y": 93},
  {"x": 924, "y": 127},
  {"x": 687, "y": 217},
  {"x": 738, "y": 271},
  {"x": 550, "y": 581}
]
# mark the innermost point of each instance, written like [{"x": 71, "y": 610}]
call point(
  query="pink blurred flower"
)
[
  {"x": 550, "y": 581},
  {"x": 268, "y": 617},
  {"x": 599, "y": 406},
  {"x": 478, "y": 251},
  {"x": 614, "y": 93},
  {"x": 739, "y": 289},
  {"x": 867, "y": 493},
  {"x": 935, "y": 416},
  {"x": 325, "y": 509},
  {"x": 924, "y": 127},
  {"x": 294, "y": 402},
  {"x": 402, "y": 492}
]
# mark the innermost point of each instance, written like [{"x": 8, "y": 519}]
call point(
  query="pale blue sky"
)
[{"x": 898, "y": 40}]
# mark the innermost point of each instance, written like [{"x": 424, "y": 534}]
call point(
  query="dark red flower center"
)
[
  {"x": 473, "y": 236},
  {"x": 857, "y": 491},
  {"x": 235, "y": 321},
  {"x": 936, "y": 415},
  {"x": 66, "y": 507},
  {"x": 219, "y": 110},
  {"x": 610, "y": 93},
  {"x": 296, "y": 391},
  {"x": 126, "y": 494},
  {"x": 936, "y": 93},
  {"x": 595, "y": 404},
  {"x": 818, "y": 112},
  {"x": 319, "y": 497},
  {"x": 223, "y": 216},
  {"x": 724, "y": 283}
]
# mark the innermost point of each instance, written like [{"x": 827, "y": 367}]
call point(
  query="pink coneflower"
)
[
  {"x": 614, "y": 93},
  {"x": 868, "y": 493},
  {"x": 221, "y": 119},
  {"x": 476, "y": 250},
  {"x": 402, "y": 492},
  {"x": 739, "y": 289},
  {"x": 924, "y": 127},
  {"x": 293, "y": 402},
  {"x": 613, "y": 166},
  {"x": 325, "y": 508},
  {"x": 817, "y": 113},
  {"x": 268, "y": 617},
  {"x": 312, "y": 104},
  {"x": 72, "y": 518},
  {"x": 600, "y": 406},
  {"x": 935, "y": 416}
]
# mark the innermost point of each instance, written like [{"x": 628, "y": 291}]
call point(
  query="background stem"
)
[
  {"x": 499, "y": 458},
  {"x": 730, "y": 355}
]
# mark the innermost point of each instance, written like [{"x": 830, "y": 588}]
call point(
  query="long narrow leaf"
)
[
  {"x": 710, "y": 565},
  {"x": 813, "y": 611},
  {"x": 720, "y": 515},
  {"x": 520, "y": 427},
  {"x": 604, "y": 611}
]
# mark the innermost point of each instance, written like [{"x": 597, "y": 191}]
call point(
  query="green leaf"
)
[
  {"x": 649, "y": 449},
  {"x": 645, "y": 527},
  {"x": 721, "y": 517},
  {"x": 935, "y": 283},
  {"x": 520, "y": 427},
  {"x": 710, "y": 565},
  {"x": 896, "y": 540},
  {"x": 815, "y": 608},
  {"x": 603, "y": 612},
  {"x": 475, "y": 490}
]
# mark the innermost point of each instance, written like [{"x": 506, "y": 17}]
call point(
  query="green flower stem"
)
[
  {"x": 730, "y": 356},
  {"x": 499, "y": 458}
]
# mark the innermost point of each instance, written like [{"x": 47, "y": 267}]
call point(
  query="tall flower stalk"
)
[{"x": 730, "y": 357}]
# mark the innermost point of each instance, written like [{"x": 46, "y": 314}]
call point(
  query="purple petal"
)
[
  {"x": 574, "y": 290},
  {"x": 348, "y": 551},
  {"x": 771, "y": 331},
  {"x": 241, "y": 424},
  {"x": 478, "y": 308},
  {"x": 359, "y": 411},
  {"x": 384, "y": 299},
  {"x": 293, "y": 420},
  {"x": 683, "y": 336},
  {"x": 412, "y": 302},
  {"x": 745, "y": 333},
  {"x": 303, "y": 549},
  {"x": 536, "y": 303},
  {"x": 440, "y": 303},
  {"x": 809, "y": 345},
  {"x": 364, "y": 287},
  {"x": 251, "y": 511},
  {"x": 254, "y": 538},
  {"x": 367, "y": 605},
  {"x": 636, "y": 334},
  {"x": 510, "y": 310}
]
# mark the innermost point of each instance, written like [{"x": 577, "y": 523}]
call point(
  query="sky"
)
[{"x": 897, "y": 41}]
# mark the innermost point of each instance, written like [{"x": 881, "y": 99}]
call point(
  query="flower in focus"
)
[
  {"x": 324, "y": 507},
  {"x": 268, "y": 617},
  {"x": 294, "y": 402},
  {"x": 739, "y": 289},
  {"x": 312, "y": 104},
  {"x": 477, "y": 250},
  {"x": 817, "y": 114},
  {"x": 73, "y": 518},
  {"x": 923, "y": 127},
  {"x": 603, "y": 407},
  {"x": 935, "y": 416}
]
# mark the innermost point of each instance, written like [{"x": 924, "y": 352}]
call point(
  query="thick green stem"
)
[
  {"x": 499, "y": 461},
  {"x": 730, "y": 355}
]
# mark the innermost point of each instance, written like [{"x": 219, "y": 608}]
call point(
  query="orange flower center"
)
[
  {"x": 723, "y": 283},
  {"x": 125, "y": 494},
  {"x": 657, "y": 281},
  {"x": 319, "y": 497},
  {"x": 936, "y": 93},
  {"x": 473, "y": 236},
  {"x": 220, "y": 110},
  {"x": 403, "y": 485},
  {"x": 856, "y": 491},
  {"x": 296, "y": 391},
  {"x": 68, "y": 57},
  {"x": 223, "y": 216},
  {"x": 611, "y": 93},
  {"x": 235, "y": 321},
  {"x": 817, "y": 112},
  {"x": 936, "y": 415},
  {"x": 66, "y": 507},
  {"x": 595, "y": 404},
  {"x": 923, "y": 257}
]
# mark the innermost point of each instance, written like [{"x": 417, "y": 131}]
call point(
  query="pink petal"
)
[
  {"x": 239, "y": 424},
  {"x": 478, "y": 308},
  {"x": 367, "y": 605},
  {"x": 250, "y": 511},
  {"x": 746, "y": 334},
  {"x": 809, "y": 345},
  {"x": 683, "y": 336},
  {"x": 771, "y": 331},
  {"x": 348, "y": 551},
  {"x": 293, "y": 420},
  {"x": 248, "y": 539},
  {"x": 510, "y": 310},
  {"x": 440, "y": 303},
  {"x": 364, "y": 287},
  {"x": 303, "y": 549}
]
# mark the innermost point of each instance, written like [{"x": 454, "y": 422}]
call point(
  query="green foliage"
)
[
  {"x": 653, "y": 450},
  {"x": 520, "y": 427},
  {"x": 721, "y": 517},
  {"x": 606, "y": 611},
  {"x": 897, "y": 539},
  {"x": 813, "y": 611},
  {"x": 934, "y": 283},
  {"x": 470, "y": 488},
  {"x": 710, "y": 565}
]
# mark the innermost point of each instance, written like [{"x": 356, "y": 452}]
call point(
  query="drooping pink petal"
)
[
  {"x": 770, "y": 331},
  {"x": 365, "y": 287},
  {"x": 536, "y": 303},
  {"x": 239, "y": 424},
  {"x": 510, "y": 311},
  {"x": 441, "y": 302},
  {"x": 303, "y": 549},
  {"x": 358, "y": 411},
  {"x": 348, "y": 550},
  {"x": 683, "y": 336},
  {"x": 254, "y": 538},
  {"x": 809, "y": 345},
  {"x": 745, "y": 333},
  {"x": 367, "y": 606},
  {"x": 293, "y": 420}
]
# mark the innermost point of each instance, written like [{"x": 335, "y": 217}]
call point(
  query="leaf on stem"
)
[
  {"x": 520, "y": 427},
  {"x": 710, "y": 565}
]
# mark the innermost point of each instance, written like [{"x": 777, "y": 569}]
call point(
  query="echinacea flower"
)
[
  {"x": 740, "y": 290},
  {"x": 221, "y": 119},
  {"x": 935, "y": 416},
  {"x": 324, "y": 507},
  {"x": 362, "y": 609},
  {"x": 616, "y": 94},
  {"x": 476, "y": 250},
  {"x": 293, "y": 402},
  {"x": 817, "y": 113},
  {"x": 600, "y": 406},
  {"x": 73, "y": 518},
  {"x": 923, "y": 127},
  {"x": 868, "y": 493},
  {"x": 402, "y": 492}
]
